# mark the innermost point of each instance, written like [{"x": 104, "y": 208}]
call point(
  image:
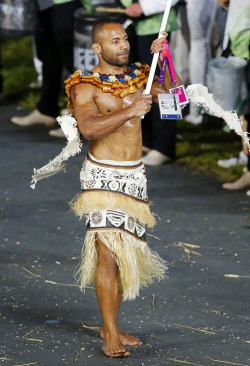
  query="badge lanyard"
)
[
  {"x": 179, "y": 96},
  {"x": 169, "y": 104},
  {"x": 167, "y": 60}
]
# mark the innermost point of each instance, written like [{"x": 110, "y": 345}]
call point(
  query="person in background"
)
[
  {"x": 54, "y": 44},
  {"x": 38, "y": 66},
  {"x": 201, "y": 15},
  {"x": 180, "y": 43},
  {"x": 236, "y": 43},
  {"x": 158, "y": 135},
  {"x": 1, "y": 77}
]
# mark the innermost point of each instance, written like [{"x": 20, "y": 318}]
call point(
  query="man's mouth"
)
[{"x": 124, "y": 54}]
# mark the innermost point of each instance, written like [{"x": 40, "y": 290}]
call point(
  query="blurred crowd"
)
[{"x": 210, "y": 44}]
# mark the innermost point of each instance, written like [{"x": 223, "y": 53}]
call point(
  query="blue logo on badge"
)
[{"x": 171, "y": 116}]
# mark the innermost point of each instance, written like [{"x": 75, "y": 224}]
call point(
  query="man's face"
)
[{"x": 114, "y": 45}]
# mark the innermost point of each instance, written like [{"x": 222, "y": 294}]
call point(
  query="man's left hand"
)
[{"x": 157, "y": 44}]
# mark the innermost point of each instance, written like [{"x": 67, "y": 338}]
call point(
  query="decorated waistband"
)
[
  {"x": 115, "y": 163},
  {"x": 118, "y": 85}
]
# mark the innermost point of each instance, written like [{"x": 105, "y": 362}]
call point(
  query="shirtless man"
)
[{"x": 113, "y": 126}]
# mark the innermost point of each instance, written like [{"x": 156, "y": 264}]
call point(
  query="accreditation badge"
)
[
  {"x": 169, "y": 105},
  {"x": 181, "y": 92}
]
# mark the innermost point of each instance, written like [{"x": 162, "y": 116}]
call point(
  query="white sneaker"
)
[
  {"x": 248, "y": 193},
  {"x": 227, "y": 163},
  {"x": 57, "y": 132},
  {"x": 34, "y": 118},
  {"x": 242, "y": 158},
  {"x": 194, "y": 115},
  {"x": 146, "y": 149},
  {"x": 154, "y": 158},
  {"x": 242, "y": 182}
]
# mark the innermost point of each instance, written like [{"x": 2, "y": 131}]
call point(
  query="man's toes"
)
[
  {"x": 114, "y": 354},
  {"x": 131, "y": 341},
  {"x": 134, "y": 343},
  {"x": 120, "y": 351},
  {"x": 125, "y": 353}
]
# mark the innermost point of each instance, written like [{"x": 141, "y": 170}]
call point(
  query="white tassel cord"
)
[
  {"x": 56, "y": 165},
  {"x": 73, "y": 147},
  {"x": 198, "y": 94}
]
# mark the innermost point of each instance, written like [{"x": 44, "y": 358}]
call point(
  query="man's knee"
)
[{"x": 106, "y": 259}]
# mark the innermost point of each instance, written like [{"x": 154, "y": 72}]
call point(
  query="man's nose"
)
[{"x": 124, "y": 45}]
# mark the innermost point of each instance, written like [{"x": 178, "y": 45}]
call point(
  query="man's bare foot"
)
[
  {"x": 125, "y": 339},
  {"x": 112, "y": 346}
]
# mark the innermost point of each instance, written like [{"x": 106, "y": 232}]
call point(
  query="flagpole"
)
[{"x": 156, "y": 55}]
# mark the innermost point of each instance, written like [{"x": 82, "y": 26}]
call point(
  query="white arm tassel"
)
[
  {"x": 198, "y": 94},
  {"x": 73, "y": 147}
]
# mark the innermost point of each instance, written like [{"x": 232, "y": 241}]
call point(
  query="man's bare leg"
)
[
  {"x": 125, "y": 339},
  {"x": 106, "y": 284}
]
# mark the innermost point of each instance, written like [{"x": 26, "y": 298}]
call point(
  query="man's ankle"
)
[{"x": 108, "y": 331}]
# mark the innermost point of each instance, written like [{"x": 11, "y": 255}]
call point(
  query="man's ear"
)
[{"x": 96, "y": 48}]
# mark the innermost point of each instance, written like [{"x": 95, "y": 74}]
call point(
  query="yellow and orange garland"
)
[{"x": 118, "y": 85}]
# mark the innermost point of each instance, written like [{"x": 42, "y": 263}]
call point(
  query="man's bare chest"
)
[{"x": 107, "y": 103}]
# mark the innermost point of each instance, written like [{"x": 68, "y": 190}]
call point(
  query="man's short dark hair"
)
[{"x": 98, "y": 25}]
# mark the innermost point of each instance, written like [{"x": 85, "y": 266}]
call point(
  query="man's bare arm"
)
[{"x": 94, "y": 126}]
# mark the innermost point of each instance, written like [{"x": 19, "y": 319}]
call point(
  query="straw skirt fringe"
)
[
  {"x": 89, "y": 201},
  {"x": 138, "y": 265}
]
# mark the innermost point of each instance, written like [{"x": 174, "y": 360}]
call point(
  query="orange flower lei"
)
[{"x": 117, "y": 85}]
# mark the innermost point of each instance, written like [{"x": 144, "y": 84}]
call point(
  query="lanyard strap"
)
[{"x": 167, "y": 60}]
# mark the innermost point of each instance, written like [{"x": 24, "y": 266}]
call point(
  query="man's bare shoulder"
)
[
  {"x": 82, "y": 93},
  {"x": 83, "y": 98}
]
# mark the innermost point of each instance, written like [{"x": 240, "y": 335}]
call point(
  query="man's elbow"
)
[
  {"x": 86, "y": 131},
  {"x": 88, "y": 134}
]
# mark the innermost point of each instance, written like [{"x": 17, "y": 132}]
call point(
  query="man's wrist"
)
[{"x": 129, "y": 113}]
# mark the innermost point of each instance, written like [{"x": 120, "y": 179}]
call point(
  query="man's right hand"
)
[{"x": 141, "y": 105}]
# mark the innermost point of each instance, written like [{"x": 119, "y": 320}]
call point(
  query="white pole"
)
[{"x": 156, "y": 55}]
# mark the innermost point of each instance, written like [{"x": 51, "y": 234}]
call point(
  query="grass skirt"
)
[{"x": 118, "y": 218}]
